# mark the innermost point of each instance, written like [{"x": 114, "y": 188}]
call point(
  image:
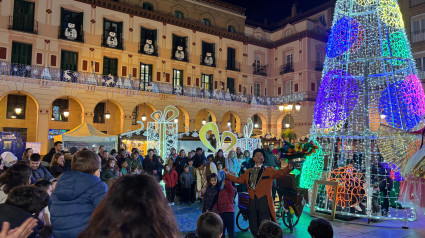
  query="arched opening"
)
[
  {"x": 183, "y": 119},
  {"x": 231, "y": 121},
  {"x": 204, "y": 116},
  {"x": 142, "y": 112},
  {"x": 107, "y": 117},
  {"x": 19, "y": 113},
  {"x": 288, "y": 122},
  {"x": 66, "y": 113}
]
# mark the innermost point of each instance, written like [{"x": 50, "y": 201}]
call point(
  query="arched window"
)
[
  {"x": 147, "y": 6},
  {"x": 288, "y": 32},
  {"x": 258, "y": 124},
  {"x": 206, "y": 22},
  {"x": 179, "y": 14},
  {"x": 288, "y": 122},
  {"x": 258, "y": 36},
  {"x": 231, "y": 28}
]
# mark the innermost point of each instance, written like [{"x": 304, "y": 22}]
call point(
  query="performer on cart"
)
[{"x": 259, "y": 181}]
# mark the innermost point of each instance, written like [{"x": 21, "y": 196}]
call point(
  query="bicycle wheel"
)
[
  {"x": 242, "y": 222},
  {"x": 289, "y": 218}
]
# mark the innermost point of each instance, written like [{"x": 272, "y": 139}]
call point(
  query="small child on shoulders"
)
[{"x": 221, "y": 175}]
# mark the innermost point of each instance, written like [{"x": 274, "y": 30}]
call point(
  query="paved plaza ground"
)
[{"x": 187, "y": 216}]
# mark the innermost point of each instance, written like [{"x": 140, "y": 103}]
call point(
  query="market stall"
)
[{"x": 85, "y": 135}]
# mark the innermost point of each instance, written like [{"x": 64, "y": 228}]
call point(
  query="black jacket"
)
[
  {"x": 16, "y": 216},
  {"x": 150, "y": 165},
  {"x": 48, "y": 157},
  {"x": 57, "y": 170},
  {"x": 180, "y": 163},
  {"x": 210, "y": 198}
]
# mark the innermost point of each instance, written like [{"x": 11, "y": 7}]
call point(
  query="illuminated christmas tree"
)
[{"x": 368, "y": 99}]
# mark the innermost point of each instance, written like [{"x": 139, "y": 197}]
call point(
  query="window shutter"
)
[
  {"x": 296, "y": 88},
  {"x": 188, "y": 81},
  {"x": 240, "y": 88},
  {"x": 197, "y": 82},
  {"x": 3, "y": 52},
  {"x": 215, "y": 85},
  {"x": 167, "y": 77},
  {"x": 85, "y": 64},
  {"x": 39, "y": 59},
  {"x": 158, "y": 76},
  {"x": 135, "y": 72},
  {"x": 279, "y": 91},
  {"x": 124, "y": 71}
]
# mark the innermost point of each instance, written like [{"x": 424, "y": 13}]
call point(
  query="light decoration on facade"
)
[
  {"x": 312, "y": 168},
  {"x": 368, "y": 82},
  {"x": 162, "y": 133},
  {"x": 248, "y": 143}
]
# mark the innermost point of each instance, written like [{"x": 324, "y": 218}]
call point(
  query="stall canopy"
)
[{"x": 85, "y": 135}]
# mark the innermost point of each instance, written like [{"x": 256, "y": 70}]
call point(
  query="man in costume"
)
[{"x": 259, "y": 181}]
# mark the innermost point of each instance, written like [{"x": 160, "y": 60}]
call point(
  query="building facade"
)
[
  {"x": 110, "y": 62},
  {"x": 414, "y": 20}
]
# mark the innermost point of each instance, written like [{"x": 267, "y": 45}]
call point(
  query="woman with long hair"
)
[
  {"x": 27, "y": 154},
  {"x": 18, "y": 174},
  {"x": 57, "y": 165},
  {"x": 135, "y": 206},
  {"x": 219, "y": 158},
  {"x": 109, "y": 170}
]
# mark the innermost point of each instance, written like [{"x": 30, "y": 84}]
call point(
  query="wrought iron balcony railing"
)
[
  {"x": 287, "y": 68},
  {"x": 132, "y": 83},
  {"x": 24, "y": 23}
]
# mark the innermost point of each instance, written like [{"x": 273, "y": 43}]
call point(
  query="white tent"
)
[{"x": 85, "y": 135}]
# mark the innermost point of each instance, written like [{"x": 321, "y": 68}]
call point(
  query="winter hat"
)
[
  {"x": 73, "y": 150},
  {"x": 8, "y": 159}
]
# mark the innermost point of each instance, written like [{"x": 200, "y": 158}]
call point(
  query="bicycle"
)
[
  {"x": 292, "y": 201},
  {"x": 242, "y": 221}
]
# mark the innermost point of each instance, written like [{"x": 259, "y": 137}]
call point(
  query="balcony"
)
[
  {"x": 417, "y": 36},
  {"x": 318, "y": 66},
  {"x": 286, "y": 68},
  {"x": 79, "y": 38},
  {"x": 23, "y": 23},
  {"x": 147, "y": 51},
  {"x": 421, "y": 72},
  {"x": 206, "y": 62},
  {"x": 233, "y": 66},
  {"x": 61, "y": 78},
  {"x": 413, "y": 3},
  {"x": 109, "y": 44},
  {"x": 260, "y": 69}
]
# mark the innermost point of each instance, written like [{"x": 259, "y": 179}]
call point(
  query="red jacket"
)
[
  {"x": 225, "y": 198},
  {"x": 170, "y": 179}
]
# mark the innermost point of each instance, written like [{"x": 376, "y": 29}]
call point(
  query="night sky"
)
[{"x": 273, "y": 10}]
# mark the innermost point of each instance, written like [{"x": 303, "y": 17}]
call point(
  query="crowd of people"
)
[{"x": 81, "y": 193}]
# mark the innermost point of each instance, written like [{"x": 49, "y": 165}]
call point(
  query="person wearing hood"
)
[
  {"x": 9, "y": 159},
  {"x": 77, "y": 194}
]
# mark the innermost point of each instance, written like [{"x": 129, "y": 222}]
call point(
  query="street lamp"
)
[
  {"x": 176, "y": 120},
  {"x": 66, "y": 113},
  {"x": 297, "y": 107},
  {"x": 204, "y": 121},
  {"x": 256, "y": 125},
  {"x": 107, "y": 115},
  {"x": 383, "y": 116},
  {"x": 18, "y": 110},
  {"x": 229, "y": 123},
  {"x": 281, "y": 107},
  {"x": 289, "y": 107},
  {"x": 287, "y": 125},
  {"x": 143, "y": 117}
]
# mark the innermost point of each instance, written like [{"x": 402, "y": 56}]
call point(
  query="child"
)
[
  {"x": 269, "y": 229},
  {"x": 211, "y": 194},
  {"x": 186, "y": 181},
  {"x": 226, "y": 208},
  {"x": 209, "y": 226},
  {"x": 320, "y": 228},
  {"x": 192, "y": 171},
  {"x": 109, "y": 171},
  {"x": 124, "y": 169},
  {"x": 170, "y": 178},
  {"x": 71, "y": 209},
  {"x": 221, "y": 175}
]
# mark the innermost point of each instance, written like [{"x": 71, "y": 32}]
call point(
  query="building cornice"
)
[
  {"x": 196, "y": 26},
  {"x": 221, "y": 6}
]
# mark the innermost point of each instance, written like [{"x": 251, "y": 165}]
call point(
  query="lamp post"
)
[
  {"x": 204, "y": 121},
  {"x": 18, "y": 110},
  {"x": 107, "y": 115},
  {"x": 66, "y": 113}
]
